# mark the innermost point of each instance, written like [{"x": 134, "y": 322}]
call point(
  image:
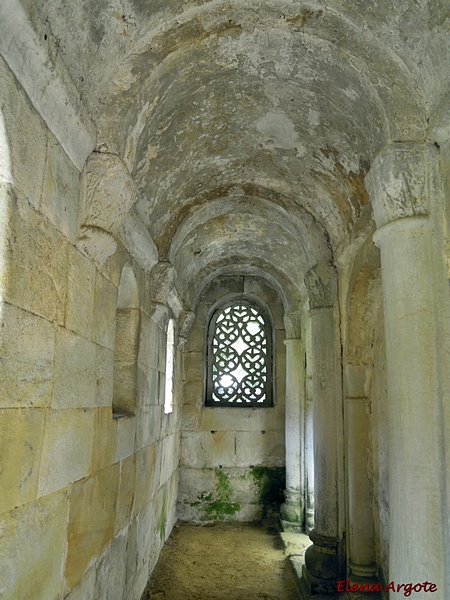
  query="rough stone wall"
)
[
  {"x": 232, "y": 459},
  {"x": 86, "y": 500}
]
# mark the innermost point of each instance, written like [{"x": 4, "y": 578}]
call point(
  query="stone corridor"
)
[{"x": 224, "y": 287}]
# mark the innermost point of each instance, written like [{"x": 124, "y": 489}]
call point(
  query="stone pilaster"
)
[
  {"x": 292, "y": 511},
  {"x": 402, "y": 184}
]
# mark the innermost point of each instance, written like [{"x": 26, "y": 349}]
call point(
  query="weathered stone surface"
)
[
  {"x": 145, "y": 460},
  {"x": 32, "y": 549},
  {"x": 36, "y": 263},
  {"x": 148, "y": 426},
  {"x": 259, "y": 448},
  {"x": 25, "y": 144},
  {"x": 126, "y": 492},
  {"x": 67, "y": 448},
  {"x": 27, "y": 346},
  {"x": 104, "y": 363},
  {"x": 80, "y": 293},
  {"x": 126, "y": 434},
  {"x": 75, "y": 376},
  {"x": 104, "y": 312},
  {"x": 21, "y": 435},
  {"x": 111, "y": 573},
  {"x": 92, "y": 504},
  {"x": 105, "y": 439},
  {"x": 193, "y": 366},
  {"x": 61, "y": 190},
  {"x": 85, "y": 590},
  {"x": 207, "y": 449}
]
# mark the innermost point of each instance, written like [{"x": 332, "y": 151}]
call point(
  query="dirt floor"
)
[{"x": 232, "y": 561}]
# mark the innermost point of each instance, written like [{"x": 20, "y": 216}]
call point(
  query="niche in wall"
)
[{"x": 126, "y": 345}]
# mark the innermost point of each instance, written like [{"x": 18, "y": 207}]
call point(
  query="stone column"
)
[
  {"x": 361, "y": 535},
  {"x": 292, "y": 511},
  {"x": 324, "y": 560},
  {"x": 309, "y": 436},
  {"x": 403, "y": 184}
]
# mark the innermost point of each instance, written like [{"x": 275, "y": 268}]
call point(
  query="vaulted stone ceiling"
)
[{"x": 249, "y": 125}]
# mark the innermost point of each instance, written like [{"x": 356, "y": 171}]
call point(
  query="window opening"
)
[
  {"x": 170, "y": 357},
  {"x": 239, "y": 356}
]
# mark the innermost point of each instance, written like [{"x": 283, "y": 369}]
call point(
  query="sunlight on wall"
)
[{"x": 170, "y": 355}]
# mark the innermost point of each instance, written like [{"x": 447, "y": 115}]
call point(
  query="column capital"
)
[
  {"x": 321, "y": 284},
  {"x": 399, "y": 181}
]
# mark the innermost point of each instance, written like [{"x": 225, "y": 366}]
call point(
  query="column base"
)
[
  {"x": 291, "y": 512},
  {"x": 322, "y": 569}
]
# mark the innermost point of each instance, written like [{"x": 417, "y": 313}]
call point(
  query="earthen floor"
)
[{"x": 232, "y": 561}]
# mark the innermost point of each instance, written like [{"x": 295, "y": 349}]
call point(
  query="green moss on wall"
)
[
  {"x": 218, "y": 505},
  {"x": 271, "y": 483}
]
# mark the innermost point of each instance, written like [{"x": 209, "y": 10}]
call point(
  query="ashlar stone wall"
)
[
  {"x": 87, "y": 498},
  {"x": 232, "y": 459}
]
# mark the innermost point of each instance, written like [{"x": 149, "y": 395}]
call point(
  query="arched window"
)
[{"x": 239, "y": 356}]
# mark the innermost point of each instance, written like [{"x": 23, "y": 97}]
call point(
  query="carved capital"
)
[
  {"x": 108, "y": 194},
  {"x": 399, "y": 181},
  {"x": 293, "y": 324},
  {"x": 320, "y": 282}
]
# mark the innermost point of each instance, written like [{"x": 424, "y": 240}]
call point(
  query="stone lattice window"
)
[{"x": 239, "y": 357}]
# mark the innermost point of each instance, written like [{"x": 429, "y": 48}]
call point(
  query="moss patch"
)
[
  {"x": 271, "y": 483},
  {"x": 219, "y": 506}
]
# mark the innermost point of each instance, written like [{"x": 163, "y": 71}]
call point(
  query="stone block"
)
[
  {"x": 255, "y": 286},
  {"x": 145, "y": 460},
  {"x": 60, "y": 192},
  {"x": 169, "y": 462},
  {"x": 193, "y": 392},
  {"x": 104, "y": 370},
  {"x": 193, "y": 483},
  {"x": 148, "y": 342},
  {"x": 85, "y": 590},
  {"x": 193, "y": 366},
  {"x": 67, "y": 448},
  {"x": 75, "y": 377},
  {"x": 26, "y": 136},
  {"x": 111, "y": 574},
  {"x": 131, "y": 557},
  {"x": 145, "y": 535},
  {"x": 80, "y": 293},
  {"x": 127, "y": 330},
  {"x": 204, "y": 449},
  {"x": 148, "y": 426},
  {"x": 27, "y": 348},
  {"x": 105, "y": 438},
  {"x": 125, "y": 387},
  {"x": 258, "y": 448},
  {"x": 196, "y": 341},
  {"x": 147, "y": 385},
  {"x": 156, "y": 477},
  {"x": 36, "y": 263},
  {"x": 126, "y": 492},
  {"x": 105, "y": 303},
  {"x": 226, "y": 419},
  {"x": 32, "y": 549},
  {"x": 21, "y": 435},
  {"x": 125, "y": 437},
  {"x": 190, "y": 417},
  {"x": 92, "y": 512}
]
